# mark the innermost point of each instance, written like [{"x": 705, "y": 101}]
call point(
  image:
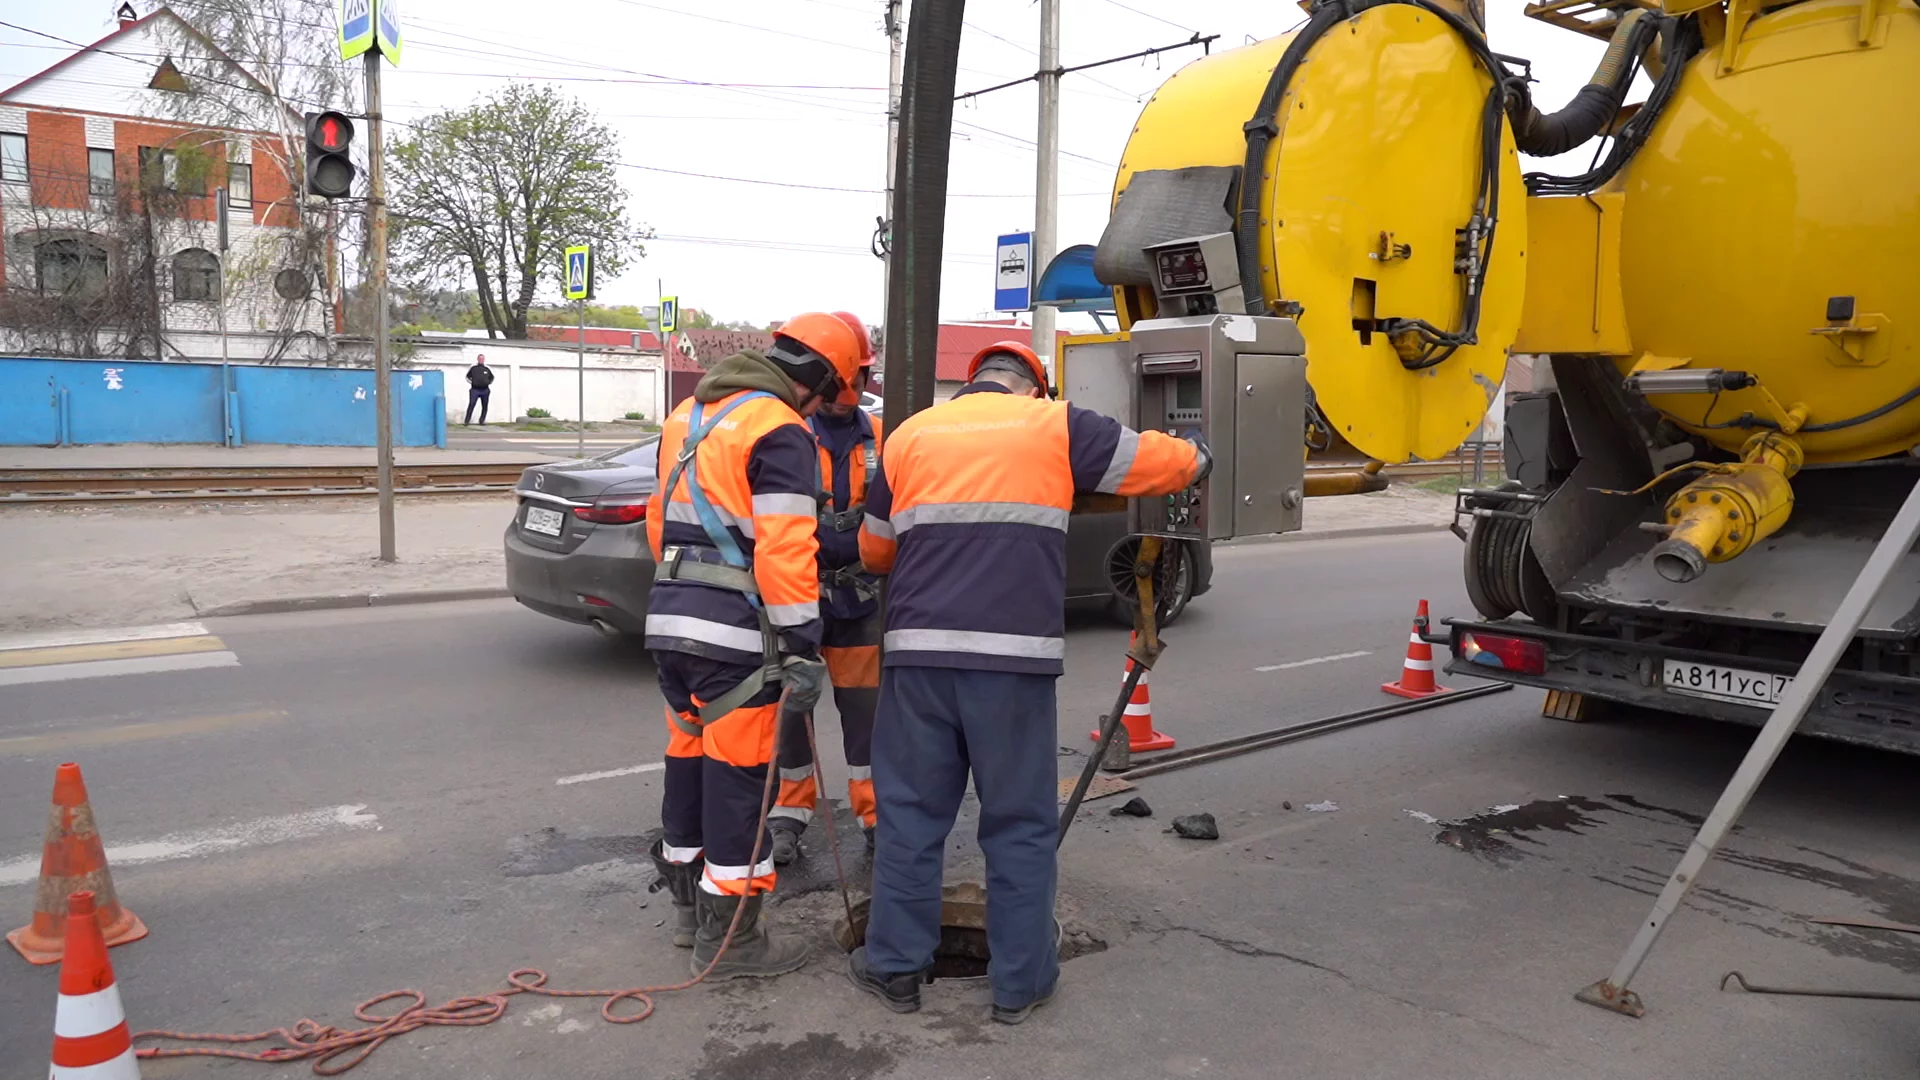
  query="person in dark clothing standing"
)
[{"x": 479, "y": 389}]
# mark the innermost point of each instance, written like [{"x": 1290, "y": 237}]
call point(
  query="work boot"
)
[
  {"x": 1004, "y": 1015},
  {"x": 901, "y": 993},
  {"x": 753, "y": 952},
  {"x": 786, "y": 845},
  {"x": 682, "y": 882}
]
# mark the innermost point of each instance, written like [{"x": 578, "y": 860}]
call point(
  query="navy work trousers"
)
[
  {"x": 478, "y": 395},
  {"x": 934, "y": 725}
]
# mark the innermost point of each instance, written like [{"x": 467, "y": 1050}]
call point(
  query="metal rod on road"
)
[
  {"x": 1266, "y": 740},
  {"x": 580, "y": 373},
  {"x": 1099, "y": 752},
  {"x": 1046, "y": 184},
  {"x": 377, "y": 243},
  {"x": 1611, "y": 992}
]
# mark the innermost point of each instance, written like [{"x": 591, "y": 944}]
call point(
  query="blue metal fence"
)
[{"x": 70, "y": 402}]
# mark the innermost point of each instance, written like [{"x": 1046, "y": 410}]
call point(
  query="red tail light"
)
[
  {"x": 614, "y": 510},
  {"x": 1524, "y": 656}
]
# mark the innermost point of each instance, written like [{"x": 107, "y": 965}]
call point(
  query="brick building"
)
[{"x": 109, "y": 243}]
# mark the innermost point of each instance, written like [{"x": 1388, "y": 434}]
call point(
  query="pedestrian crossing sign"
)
[
  {"x": 669, "y": 314},
  {"x": 579, "y": 272}
]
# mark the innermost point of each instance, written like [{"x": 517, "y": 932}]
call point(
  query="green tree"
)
[{"x": 494, "y": 193}]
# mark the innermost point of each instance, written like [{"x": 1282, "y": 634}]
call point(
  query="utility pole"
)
[
  {"x": 1046, "y": 183},
  {"x": 382, "y": 366},
  {"x": 894, "y": 27}
]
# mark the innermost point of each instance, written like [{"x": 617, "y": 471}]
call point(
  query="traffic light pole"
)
[{"x": 377, "y": 240}]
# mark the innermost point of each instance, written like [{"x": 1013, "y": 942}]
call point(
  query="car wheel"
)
[{"x": 1173, "y": 583}]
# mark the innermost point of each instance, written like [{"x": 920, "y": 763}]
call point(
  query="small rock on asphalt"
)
[
  {"x": 1197, "y": 827},
  {"x": 1135, "y": 807},
  {"x": 1284, "y": 805}
]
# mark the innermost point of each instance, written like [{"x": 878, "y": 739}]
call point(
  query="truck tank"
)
[{"x": 1385, "y": 213}]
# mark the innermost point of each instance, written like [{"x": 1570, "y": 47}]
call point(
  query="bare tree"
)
[{"x": 260, "y": 66}]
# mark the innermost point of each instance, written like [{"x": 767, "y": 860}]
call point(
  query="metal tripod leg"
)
[{"x": 1611, "y": 992}]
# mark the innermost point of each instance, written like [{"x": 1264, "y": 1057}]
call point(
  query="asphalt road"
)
[{"x": 407, "y": 797}]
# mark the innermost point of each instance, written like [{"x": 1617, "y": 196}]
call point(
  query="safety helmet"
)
[
  {"x": 848, "y": 395},
  {"x": 1013, "y": 350},
  {"x": 818, "y": 351}
]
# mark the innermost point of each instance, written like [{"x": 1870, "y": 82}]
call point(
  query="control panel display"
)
[{"x": 1181, "y": 269}]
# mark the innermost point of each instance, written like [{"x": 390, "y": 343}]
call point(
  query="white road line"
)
[
  {"x": 137, "y": 665},
  {"x": 189, "y": 845},
  {"x": 49, "y": 639},
  {"x": 1315, "y": 660},
  {"x": 631, "y": 770}
]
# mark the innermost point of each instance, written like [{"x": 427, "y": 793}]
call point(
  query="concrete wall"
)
[
  {"x": 62, "y": 402},
  {"x": 536, "y": 374}
]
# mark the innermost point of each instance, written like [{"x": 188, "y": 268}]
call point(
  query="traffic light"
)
[{"x": 329, "y": 170}]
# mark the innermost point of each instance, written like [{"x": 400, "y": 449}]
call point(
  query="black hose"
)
[
  {"x": 1545, "y": 135},
  {"x": 1681, "y": 39},
  {"x": 1855, "y": 421}
]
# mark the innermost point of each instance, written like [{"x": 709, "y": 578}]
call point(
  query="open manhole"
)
[{"x": 962, "y": 952}]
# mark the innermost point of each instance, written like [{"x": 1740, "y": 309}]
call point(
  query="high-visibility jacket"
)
[
  {"x": 969, "y": 515},
  {"x": 757, "y": 469},
  {"x": 846, "y": 591}
]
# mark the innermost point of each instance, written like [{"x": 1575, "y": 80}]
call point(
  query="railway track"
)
[{"x": 94, "y": 485}]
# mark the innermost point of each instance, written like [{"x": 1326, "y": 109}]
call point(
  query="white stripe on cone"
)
[
  {"x": 1141, "y": 709},
  {"x": 80, "y": 1016},
  {"x": 1418, "y": 665},
  {"x": 124, "y": 1067}
]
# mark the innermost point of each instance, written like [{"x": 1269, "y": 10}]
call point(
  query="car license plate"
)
[
  {"x": 1756, "y": 688},
  {"x": 542, "y": 520}
]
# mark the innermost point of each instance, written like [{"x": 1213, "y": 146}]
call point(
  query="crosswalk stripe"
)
[
  {"x": 109, "y": 650},
  {"x": 46, "y": 639},
  {"x": 141, "y": 665}
]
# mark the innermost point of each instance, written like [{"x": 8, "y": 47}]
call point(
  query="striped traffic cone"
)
[
  {"x": 1416, "y": 676},
  {"x": 1141, "y": 738},
  {"x": 73, "y": 859},
  {"x": 91, "y": 1040}
]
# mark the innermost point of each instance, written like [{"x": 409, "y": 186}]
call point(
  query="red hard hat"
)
[{"x": 1013, "y": 348}]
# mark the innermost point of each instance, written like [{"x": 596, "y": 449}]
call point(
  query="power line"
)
[{"x": 1151, "y": 15}]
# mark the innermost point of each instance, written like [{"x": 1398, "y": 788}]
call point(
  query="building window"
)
[
  {"x": 70, "y": 266},
  {"x": 196, "y": 275},
  {"x": 13, "y": 158},
  {"x": 240, "y": 186},
  {"x": 159, "y": 169},
  {"x": 100, "y": 173}
]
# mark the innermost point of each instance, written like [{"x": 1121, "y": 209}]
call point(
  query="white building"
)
[{"x": 109, "y": 238}]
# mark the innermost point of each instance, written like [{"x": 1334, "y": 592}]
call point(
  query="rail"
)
[{"x": 101, "y": 485}]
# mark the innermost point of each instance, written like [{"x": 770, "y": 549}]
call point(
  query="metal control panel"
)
[{"x": 1241, "y": 380}]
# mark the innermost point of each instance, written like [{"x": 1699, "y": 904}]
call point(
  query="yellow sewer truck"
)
[{"x": 1725, "y": 312}]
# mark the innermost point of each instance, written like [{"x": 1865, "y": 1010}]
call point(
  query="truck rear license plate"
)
[
  {"x": 544, "y": 521},
  {"x": 1756, "y": 688}
]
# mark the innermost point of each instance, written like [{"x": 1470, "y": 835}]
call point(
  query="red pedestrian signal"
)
[{"x": 329, "y": 169}]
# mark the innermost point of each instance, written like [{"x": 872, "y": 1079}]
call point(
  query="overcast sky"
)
[{"x": 763, "y": 251}]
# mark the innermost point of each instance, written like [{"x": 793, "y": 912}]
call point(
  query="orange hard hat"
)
[
  {"x": 1017, "y": 349},
  {"x": 860, "y": 331},
  {"x": 822, "y": 338}
]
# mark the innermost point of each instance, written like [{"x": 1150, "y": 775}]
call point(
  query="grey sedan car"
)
[{"x": 577, "y": 547}]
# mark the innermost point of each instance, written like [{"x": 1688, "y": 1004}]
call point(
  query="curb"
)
[
  {"x": 348, "y": 600},
  {"x": 1332, "y": 534}
]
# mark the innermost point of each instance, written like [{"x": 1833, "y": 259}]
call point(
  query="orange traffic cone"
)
[
  {"x": 72, "y": 860},
  {"x": 1416, "y": 676},
  {"x": 1141, "y": 738},
  {"x": 90, "y": 1035}
]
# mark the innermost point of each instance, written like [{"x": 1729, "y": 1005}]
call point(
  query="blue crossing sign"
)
[{"x": 579, "y": 272}]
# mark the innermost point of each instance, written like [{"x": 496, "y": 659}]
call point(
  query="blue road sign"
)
[
  {"x": 1013, "y": 272},
  {"x": 356, "y": 27},
  {"x": 669, "y": 314},
  {"x": 386, "y": 29}
]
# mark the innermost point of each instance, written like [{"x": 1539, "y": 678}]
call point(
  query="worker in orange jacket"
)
[
  {"x": 734, "y": 617},
  {"x": 969, "y": 516},
  {"x": 849, "y": 441}
]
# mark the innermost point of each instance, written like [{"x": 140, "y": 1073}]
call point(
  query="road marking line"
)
[
  {"x": 581, "y": 778},
  {"x": 1314, "y": 660},
  {"x": 110, "y": 650},
  {"x": 46, "y": 639},
  {"x": 28, "y": 745},
  {"x": 143, "y": 665},
  {"x": 191, "y": 845}
]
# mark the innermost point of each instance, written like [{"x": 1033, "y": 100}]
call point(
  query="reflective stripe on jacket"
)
[
  {"x": 970, "y": 515},
  {"x": 756, "y": 468}
]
